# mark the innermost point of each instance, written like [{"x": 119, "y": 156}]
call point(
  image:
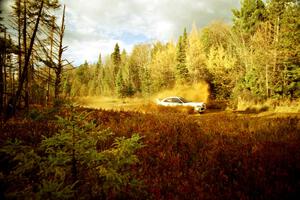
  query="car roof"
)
[{"x": 173, "y": 97}]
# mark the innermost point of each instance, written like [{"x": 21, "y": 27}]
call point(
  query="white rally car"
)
[{"x": 179, "y": 101}]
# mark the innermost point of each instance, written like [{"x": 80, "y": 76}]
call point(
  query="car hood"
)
[{"x": 195, "y": 104}]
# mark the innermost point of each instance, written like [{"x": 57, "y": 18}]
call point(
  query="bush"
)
[
  {"x": 218, "y": 156},
  {"x": 81, "y": 159},
  {"x": 285, "y": 106}
]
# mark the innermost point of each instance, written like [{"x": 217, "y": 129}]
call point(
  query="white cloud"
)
[
  {"x": 94, "y": 26},
  {"x": 89, "y": 50}
]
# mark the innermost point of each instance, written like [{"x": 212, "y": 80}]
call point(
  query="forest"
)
[
  {"x": 256, "y": 58},
  {"x": 52, "y": 146}
]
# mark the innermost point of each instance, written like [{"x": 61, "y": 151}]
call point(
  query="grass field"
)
[
  {"x": 220, "y": 154},
  {"x": 268, "y": 109},
  {"x": 108, "y": 103}
]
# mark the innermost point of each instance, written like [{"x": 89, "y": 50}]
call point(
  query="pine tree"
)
[
  {"x": 185, "y": 39},
  {"x": 146, "y": 82},
  {"x": 82, "y": 72},
  {"x": 120, "y": 85},
  {"x": 124, "y": 57},
  {"x": 116, "y": 63},
  {"x": 99, "y": 64},
  {"x": 98, "y": 76},
  {"x": 182, "y": 72},
  {"x": 116, "y": 56},
  {"x": 247, "y": 19},
  {"x": 61, "y": 166},
  {"x": 284, "y": 18}
]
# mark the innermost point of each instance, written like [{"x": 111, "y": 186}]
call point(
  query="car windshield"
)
[{"x": 183, "y": 100}]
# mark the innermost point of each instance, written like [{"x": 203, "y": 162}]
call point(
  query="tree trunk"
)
[
  {"x": 275, "y": 62},
  {"x": 57, "y": 84},
  {"x": 19, "y": 37},
  {"x": 2, "y": 58},
  {"x": 267, "y": 81},
  {"x": 51, "y": 59},
  {"x": 1, "y": 84},
  {"x": 58, "y": 70},
  {"x": 5, "y": 70},
  {"x": 23, "y": 76},
  {"x": 26, "y": 97}
]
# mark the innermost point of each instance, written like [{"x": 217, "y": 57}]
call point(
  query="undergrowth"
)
[
  {"x": 274, "y": 105},
  {"x": 76, "y": 160},
  {"x": 183, "y": 157}
]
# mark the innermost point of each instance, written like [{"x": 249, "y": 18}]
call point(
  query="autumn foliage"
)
[{"x": 224, "y": 156}]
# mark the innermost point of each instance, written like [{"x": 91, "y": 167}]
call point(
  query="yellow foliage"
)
[
  {"x": 195, "y": 92},
  {"x": 276, "y": 106}
]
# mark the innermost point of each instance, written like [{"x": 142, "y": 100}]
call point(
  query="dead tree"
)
[
  {"x": 10, "y": 109},
  {"x": 2, "y": 69},
  {"x": 2, "y": 52},
  {"x": 58, "y": 66}
]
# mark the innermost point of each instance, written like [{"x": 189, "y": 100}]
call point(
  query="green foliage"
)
[
  {"x": 35, "y": 114},
  {"x": 42, "y": 114},
  {"x": 258, "y": 56},
  {"x": 120, "y": 85},
  {"x": 80, "y": 157},
  {"x": 182, "y": 72},
  {"x": 289, "y": 48},
  {"x": 99, "y": 63},
  {"x": 116, "y": 55},
  {"x": 247, "y": 19},
  {"x": 146, "y": 82},
  {"x": 82, "y": 72}
]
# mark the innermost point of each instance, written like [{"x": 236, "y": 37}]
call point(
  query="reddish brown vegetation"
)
[{"x": 208, "y": 157}]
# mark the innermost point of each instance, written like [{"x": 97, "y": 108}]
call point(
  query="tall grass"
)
[
  {"x": 216, "y": 156},
  {"x": 278, "y": 106}
]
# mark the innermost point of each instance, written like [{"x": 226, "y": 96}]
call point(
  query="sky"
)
[{"x": 95, "y": 26}]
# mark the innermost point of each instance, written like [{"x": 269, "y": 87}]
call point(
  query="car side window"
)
[
  {"x": 168, "y": 100},
  {"x": 176, "y": 100}
]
